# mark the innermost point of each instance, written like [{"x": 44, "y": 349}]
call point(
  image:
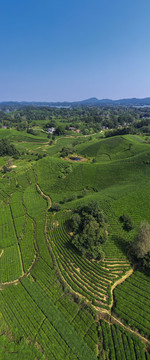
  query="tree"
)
[
  {"x": 6, "y": 148},
  {"x": 76, "y": 220},
  {"x": 146, "y": 261},
  {"x": 59, "y": 130},
  {"x": 64, "y": 152},
  {"x": 127, "y": 222},
  {"x": 84, "y": 192},
  {"x": 90, "y": 230},
  {"x": 141, "y": 245},
  {"x": 31, "y": 131},
  {"x": 55, "y": 207},
  {"x": 5, "y": 169}
]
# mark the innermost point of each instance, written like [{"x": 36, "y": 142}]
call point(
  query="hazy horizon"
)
[{"x": 75, "y": 100}]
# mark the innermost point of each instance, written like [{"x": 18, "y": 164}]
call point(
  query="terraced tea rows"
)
[
  {"x": 10, "y": 260},
  {"x": 28, "y": 308},
  {"x": 115, "y": 343},
  {"x": 21, "y": 308},
  {"x": 59, "y": 322},
  {"x": 18, "y": 230},
  {"x": 76, "y": 315},
  {"x": 90, "y": 279},
  {"x": 10, "y": 264},
  {"x": 18, "y": 212},
  {"x": 27, "y": 245},
  {"x": 7, "y": 231},
  {"x": 33, "y": 201},
  {"x": 132, "y": 302}
]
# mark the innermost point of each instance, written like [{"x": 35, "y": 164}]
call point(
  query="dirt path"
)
[
  {"x": 49, "y": 201},
  {"x": 118, "y": 282},
  {"x": 2, "y": 252}
]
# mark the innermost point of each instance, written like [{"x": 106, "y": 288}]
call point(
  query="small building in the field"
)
[{"x": 51, "y": 130}]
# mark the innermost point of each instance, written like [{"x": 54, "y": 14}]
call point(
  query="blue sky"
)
[{"x": 74, "y": 49}]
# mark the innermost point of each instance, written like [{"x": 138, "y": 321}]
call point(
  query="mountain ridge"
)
[{"x": 93, "y": 101}]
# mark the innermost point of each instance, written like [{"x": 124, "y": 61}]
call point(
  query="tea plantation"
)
[{"x": 55, "y": 303}]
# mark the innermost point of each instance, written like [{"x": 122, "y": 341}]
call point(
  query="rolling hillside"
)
[{"x": 55, "y": 303}]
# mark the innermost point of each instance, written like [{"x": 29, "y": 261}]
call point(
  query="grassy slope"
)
[
  {"x": 115, "y": 148},
  {"x": 121, "y": 186}
]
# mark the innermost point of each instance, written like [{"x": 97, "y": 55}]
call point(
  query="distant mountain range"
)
[{"x": 88, "y": 102}]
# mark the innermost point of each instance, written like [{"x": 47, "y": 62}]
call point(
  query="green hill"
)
[{"x": 114, "y": 148}]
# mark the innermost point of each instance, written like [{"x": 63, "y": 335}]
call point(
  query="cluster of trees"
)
[
  {"x": 127, "y": 222},
  {"x": 141, "y": 245},
  {"x": 89, "y": 226},
  {"x": 121, "y": 131},
  {"x": 66, "y": 150},
  {"x": 31, "y": 131},
  {"x": 88, "y": 119},
  {"x": 6, "y": 148}
]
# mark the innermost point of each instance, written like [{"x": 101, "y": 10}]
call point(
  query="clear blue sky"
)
[{"x": 74, "y": 49}]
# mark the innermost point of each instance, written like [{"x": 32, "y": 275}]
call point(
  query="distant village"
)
[{"x": 51, "y": 130}]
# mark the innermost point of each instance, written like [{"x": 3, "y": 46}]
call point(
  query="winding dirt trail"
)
[
  {"x": 120, "y": 281},
  {"x": 46, "y": 197},
  {"x": 2, "y": 252}
]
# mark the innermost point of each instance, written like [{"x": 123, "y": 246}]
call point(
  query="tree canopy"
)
[
  {"x": 141, "y": 243},
  {"x": 89, "y": 226},
  {"x": 7, "y": 149},
  {"x": 127, "y": 222}
]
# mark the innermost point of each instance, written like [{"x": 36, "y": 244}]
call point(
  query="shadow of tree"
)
[{"x": 120, "y": 243}]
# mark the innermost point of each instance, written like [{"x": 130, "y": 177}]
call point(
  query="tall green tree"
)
[
  {"x": 141, "y": 243},
  {"x": 90, "y": 230}
]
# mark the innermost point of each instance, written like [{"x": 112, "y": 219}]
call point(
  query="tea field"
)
[{"x": 56, "y": 304}]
